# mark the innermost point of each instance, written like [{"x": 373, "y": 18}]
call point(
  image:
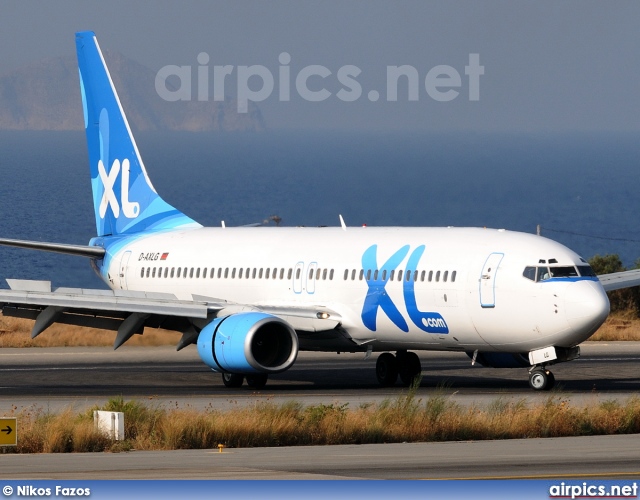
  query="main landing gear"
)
[
  {"x": 255, "y": 381},
  {"x": 541, "y": 379},
  {"x": 406, "y": 364}
]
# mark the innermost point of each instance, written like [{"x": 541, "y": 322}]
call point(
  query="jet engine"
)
[{"x": 248, "y": 342}]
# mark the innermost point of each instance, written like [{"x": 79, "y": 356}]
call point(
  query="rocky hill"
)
[{"x": 46, "y": 96}]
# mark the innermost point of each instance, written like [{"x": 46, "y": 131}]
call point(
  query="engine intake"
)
[{"x": 248, "y": 342}]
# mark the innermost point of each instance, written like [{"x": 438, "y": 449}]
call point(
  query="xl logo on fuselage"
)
[
  {"x": 130, "y": 209},
  {"x": 378, "y": 298}
]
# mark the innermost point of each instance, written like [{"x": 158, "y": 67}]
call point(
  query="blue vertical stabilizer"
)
[{"x": 124, "y": 199}]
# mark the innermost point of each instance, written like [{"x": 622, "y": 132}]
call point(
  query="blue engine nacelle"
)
[
  {"x": 501, "y": 359},
  {"x": 248, "y": 342}
]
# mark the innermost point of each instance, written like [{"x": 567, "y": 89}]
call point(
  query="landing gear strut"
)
[
  {"x": 541, "y": 379},
  {"x": 406, "y": 364}
]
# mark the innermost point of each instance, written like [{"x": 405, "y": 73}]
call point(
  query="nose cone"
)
[{"x": 586, "y": 306}]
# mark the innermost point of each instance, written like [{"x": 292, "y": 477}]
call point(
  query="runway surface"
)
[
  {"x": 55, "y": 378},
  {"x": 614, "y": 457},
  {"x": 81, "y": 376}
]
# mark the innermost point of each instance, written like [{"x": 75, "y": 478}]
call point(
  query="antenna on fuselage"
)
[{"x": 344, "y": 226}]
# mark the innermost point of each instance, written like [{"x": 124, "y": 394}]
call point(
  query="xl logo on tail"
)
[{"x": 130, "y": 209}]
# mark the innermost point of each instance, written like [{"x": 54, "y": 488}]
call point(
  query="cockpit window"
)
[
  {"x": 563, "y": 272},
  {"x": 543, "y": 274},
  {"x": 586, "y": 270},
  {"x": 529, "y": 273}
]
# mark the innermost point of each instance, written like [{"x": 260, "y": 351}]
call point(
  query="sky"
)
[{"x": 540, "y": 66}]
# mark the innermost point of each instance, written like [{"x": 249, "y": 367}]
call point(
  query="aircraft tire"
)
[
  {"x": 232, "y": 380},
  {"x": 409, "y": 367},
  {"x": 257, "y": 381},
  {"x": 541, "y": 379},
  {"x": 387, "y": 369}
]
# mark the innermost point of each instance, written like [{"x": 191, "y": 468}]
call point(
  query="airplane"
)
[{"x": 252, "y": 298}]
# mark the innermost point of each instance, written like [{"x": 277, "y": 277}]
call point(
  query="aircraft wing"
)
[
  {"x": 128, "y": 312},
  {"x": 616, "y": 281}
]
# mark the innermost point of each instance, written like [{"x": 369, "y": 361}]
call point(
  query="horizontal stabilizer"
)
[{"x": 80, "y": 250}]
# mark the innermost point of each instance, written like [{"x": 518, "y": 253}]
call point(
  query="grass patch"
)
[
  {"x": 403, "y": 419},
  {"x": 16, "y": 332}
]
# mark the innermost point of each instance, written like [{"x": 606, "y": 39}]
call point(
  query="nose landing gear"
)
[{"x": 541, "y": 379}]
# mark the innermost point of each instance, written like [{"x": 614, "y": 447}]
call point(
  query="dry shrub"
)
[
  {"x": 619, "y": 326},
  {"x": 16, "y": 332},
  {"x": 406, "y": 418}
]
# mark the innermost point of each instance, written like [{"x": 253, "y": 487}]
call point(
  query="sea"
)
[{"x": 582, "y": 189}]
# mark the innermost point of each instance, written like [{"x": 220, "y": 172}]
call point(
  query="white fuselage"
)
[{"x": 394, "y": 287}]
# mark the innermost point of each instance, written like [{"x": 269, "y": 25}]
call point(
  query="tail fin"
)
[{"x": 124, "y": 199}]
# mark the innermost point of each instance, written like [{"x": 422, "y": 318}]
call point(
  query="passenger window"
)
[
  {"x": 430, "y": 276},
  {"x": 173, "y": 271},
  {"x": 384, "y": 275},
  {"x": 247, "y": 273},
  {"x": 415, "y": 276},
  {"x": 219, "y": 272},
  {"x": 275, "y": 273},
  {"x": 282, "y": 273},
  {"x": 253, "y": 275},
  {"x": 198, "y": 273},
  {"x": 392, "y": 274},
  {"x": 399, "y": 275},
  {"x": 153, "y": 273},
  {"x": 346, "y": 274},
  {"x": 267, "y": 273},
  {"x": 368, "y": 274},
  {"x": 324, "y": 274},
  {"x": 166, "y": 272},
  {"x": 297, "y": 273},
  {"x": 204, "y": 272},
  {"x": 142, "y": 272},
  {"x": 361, "y": 274},
  {"x": 179, "y": 269},
  {"x": 318, "y": 272},
  {"x": 212, "y": 273},
  {"x": 260, "y": 273},
  {"x": 422, "y": 275},
  {"x": 226, "y": 272},
  {"x": 438, "y": 276},
  {"x": 353, "y": 275},
  {"x": 191, "y": 273},
  {"x": 408, "y": 276},
  {"x": 310, "y": 274},
  {"x": 331, "y": 275},
  {"x": 289, "y": 274},
  {"x": 240, "y": 271},
  {"x": 375, "y": 275},
  {"x": 446, "y": 275},
  {"x": 453, "y": 276}
]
